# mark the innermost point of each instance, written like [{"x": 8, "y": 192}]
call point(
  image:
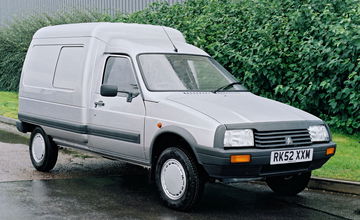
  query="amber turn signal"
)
[
  {"x": 330, "y": 150},
  {"x": 246, "y": 158}
]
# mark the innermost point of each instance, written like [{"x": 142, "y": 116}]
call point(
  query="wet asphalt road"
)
[{"x": 83, "y": 186}]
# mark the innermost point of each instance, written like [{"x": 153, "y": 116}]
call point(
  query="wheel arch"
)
[{"x": 179, "y": 134}]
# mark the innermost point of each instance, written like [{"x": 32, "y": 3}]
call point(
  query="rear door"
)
[{"x": 116, "y": 123}]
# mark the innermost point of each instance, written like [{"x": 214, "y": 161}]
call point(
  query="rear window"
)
[
  {"x": 41, "y": 66},
  {"x": 69, "y": 68},
  {"x": 50, "y": 66}
]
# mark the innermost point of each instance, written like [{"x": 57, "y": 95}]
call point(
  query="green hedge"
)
[{"x": 301, "y": 52}]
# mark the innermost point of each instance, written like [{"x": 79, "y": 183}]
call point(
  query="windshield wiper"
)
[{"x": 226, "y": 87}]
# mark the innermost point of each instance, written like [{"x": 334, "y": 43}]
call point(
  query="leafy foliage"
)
[{"x": 301, "y": 52}]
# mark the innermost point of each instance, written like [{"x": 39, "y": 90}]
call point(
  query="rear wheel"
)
[
  {"x": 289, "y": 185},
  {"x": 178, "y": 179},
  {"x": 43, "y": 151}
]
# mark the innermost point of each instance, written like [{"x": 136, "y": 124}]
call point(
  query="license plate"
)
[{"x": 291, "y": 156}]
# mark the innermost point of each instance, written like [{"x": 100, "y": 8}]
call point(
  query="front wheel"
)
[
  {"x": 43, "y": 151},
  {"x": 289, "y": 185},
  {"x": 178, "y": 179}
]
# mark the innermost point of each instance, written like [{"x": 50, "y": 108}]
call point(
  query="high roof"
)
[
  {"x": 123, "y": 37},
  {"x": 107, "y": 31}
]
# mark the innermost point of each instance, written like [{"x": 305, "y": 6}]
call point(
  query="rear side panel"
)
[{"x": 54, "y": 86}]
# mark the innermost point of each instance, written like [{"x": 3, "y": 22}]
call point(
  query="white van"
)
[{"x": 141, "y": 94}]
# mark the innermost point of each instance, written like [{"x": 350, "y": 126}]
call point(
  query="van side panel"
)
[{"x": 54, "y": 85}]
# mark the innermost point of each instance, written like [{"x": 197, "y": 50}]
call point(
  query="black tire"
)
[
  {"x": 195, "y": 180},
  {"x": 289, "y": 185},
  {"x": 49, "y": 158}
]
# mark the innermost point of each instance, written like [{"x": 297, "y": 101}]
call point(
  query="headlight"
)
[
  {"x": 239, "y": 138},
  {"x": 318, "y": 133}
]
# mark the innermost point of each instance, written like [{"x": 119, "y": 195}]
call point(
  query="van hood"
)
[{"x": 240, "y": 107}]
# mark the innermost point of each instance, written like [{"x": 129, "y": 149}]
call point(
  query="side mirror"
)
[
  {"x": 108, "y": 90},
  {"x": 130, "y": 95}
]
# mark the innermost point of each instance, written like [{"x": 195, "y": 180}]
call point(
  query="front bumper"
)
[{"x": 217, "y": 164}]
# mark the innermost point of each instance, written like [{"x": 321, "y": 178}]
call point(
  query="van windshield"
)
[{"x": 178, "y": 72}]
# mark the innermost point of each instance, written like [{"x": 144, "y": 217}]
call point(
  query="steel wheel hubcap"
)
[
  {"x": 173, "y": 179},
  {"x": 38, "y": 148}
]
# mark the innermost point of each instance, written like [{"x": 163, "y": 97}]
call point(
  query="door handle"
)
[{"x": 99, "y": 103}]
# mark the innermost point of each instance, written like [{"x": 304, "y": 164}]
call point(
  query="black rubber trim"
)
[
  {"x": 219, "y": 136},
  {"x": 82, "y": 129},
  {"x": 122, "y": 136}
]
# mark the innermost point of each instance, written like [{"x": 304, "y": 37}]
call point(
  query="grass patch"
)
[
  {"x": 344, "y": 165},
  {"x": 9, "y": 104},
  {"x": 346, "y": 162}
]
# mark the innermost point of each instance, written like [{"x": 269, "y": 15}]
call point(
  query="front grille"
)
[{"x": 273, "y": 139}]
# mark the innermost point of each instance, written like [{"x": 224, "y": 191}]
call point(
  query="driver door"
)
[{"x": 116, "y": 125}]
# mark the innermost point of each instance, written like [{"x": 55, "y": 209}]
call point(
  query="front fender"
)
[{"x": 186, "y": 135}]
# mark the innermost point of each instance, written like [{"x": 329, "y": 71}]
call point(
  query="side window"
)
[
  {"x": 119, "y": 72},
  {"x": 40, "y": 67},
  {"x": 69, "y": 68}
]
